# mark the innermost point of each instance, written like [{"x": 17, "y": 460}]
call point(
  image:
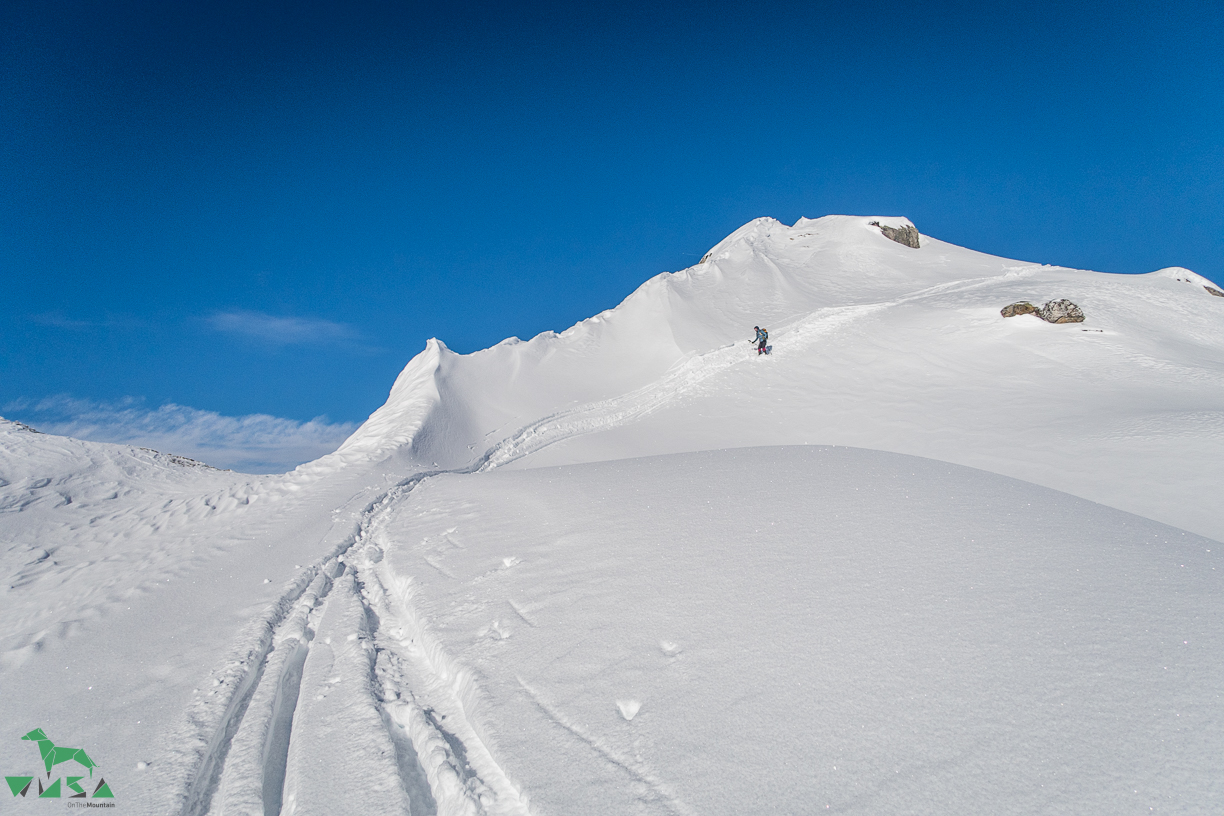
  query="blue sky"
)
[{"x": 264, "y": 209}]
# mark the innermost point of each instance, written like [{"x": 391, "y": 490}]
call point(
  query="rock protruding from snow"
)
[
  {"x": 1021, "y": 308},
  {"x": 21, "y": 426},
  {"x": 1061, "y": 311},
  {"x": 906, "y": 235},
  {"x": 1054, "y": 311},
  {"x": 1214, "y": 291}
]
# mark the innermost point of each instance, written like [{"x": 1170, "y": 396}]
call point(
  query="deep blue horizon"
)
[{"x": 268, "y": 208}]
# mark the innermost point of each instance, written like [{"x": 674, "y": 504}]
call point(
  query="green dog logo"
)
[{"x": 53, "y": 755}]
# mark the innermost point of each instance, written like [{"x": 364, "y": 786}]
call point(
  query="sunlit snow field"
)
[
  {"x": 921, "y": 559},
  {"x": 777, "y": 630}
]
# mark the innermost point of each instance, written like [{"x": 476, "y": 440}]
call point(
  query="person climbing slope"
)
[{"x": 762, "y": 337}]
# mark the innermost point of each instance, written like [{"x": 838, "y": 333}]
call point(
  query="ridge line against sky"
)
[
  {"x": 256, "y": 443},
  {"x": 264, "y": 209}
]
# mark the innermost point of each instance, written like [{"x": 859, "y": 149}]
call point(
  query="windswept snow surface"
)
[
  {"x": 620, "y": 569},
  {"x": 785, "y": 630},
  {"x": 876, "y": 345}
]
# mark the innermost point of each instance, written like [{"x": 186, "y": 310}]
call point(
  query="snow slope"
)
[
  {"x": 483, "y": 603},
  {"x": 876, "y": 345},
  {"x": 77, "y": 516},
  {"x": 785, "y": 630}
]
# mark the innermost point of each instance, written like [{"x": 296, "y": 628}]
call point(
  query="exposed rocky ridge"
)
[
  {"x": 21, "y": 426},
  {"x": 906, "y": 235},
  {"x": 1182, "y": 275},
  {"x": 184, "y": 461}
]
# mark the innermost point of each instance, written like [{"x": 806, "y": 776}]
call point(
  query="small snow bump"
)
[
  {"x": 267, "y": 580},
  {"x": 670, "y": 649},
  {"x": 140, "y": 766},
  {"x": 629, "y": 708},
  {"x": 496, "y": 631}
]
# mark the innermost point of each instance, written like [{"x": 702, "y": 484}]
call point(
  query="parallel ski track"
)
[{"x": 417, "y": 678}]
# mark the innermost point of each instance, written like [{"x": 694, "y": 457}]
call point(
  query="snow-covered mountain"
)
[
  {"x": 876, "y": 345},
  {"x": 914, "y": 561}
]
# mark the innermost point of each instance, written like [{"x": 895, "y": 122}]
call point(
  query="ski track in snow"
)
[
  {"x": 635, "y": 769},
  {"x": 682, "y": 379},
  {"x": 239, "y": 755},
  {"x": 687, "y": 375},
  {"x": 242, "y": 753}
]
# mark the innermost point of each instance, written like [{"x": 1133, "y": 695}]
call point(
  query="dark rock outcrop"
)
[
  {"x": 1061, "y": 311},
  {"x": 1021, "y": 308},
  {"x": 1055, "y": 311},
  {"x": 1214, "y": 291},
  {"x": 907, "y": 235},
  {"x": 21, "y": 426}
]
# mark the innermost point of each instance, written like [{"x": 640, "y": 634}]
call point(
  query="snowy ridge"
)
[
  {"x": 668, "y": 389},
  {"x": 793, "y": 339},
  {"x": 930, "y": 368},
  {"x": 441, "y": 401},
  {"x": 503, "y": 611},
  {"x": 403, "y": 420},
  {"x": 927, "y": 347},
  {"x": 446, "y": 410}
]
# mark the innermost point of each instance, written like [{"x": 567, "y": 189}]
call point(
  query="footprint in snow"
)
[
  {"x": 629, "y": 708},
  {"x": 494, "y": 630}
]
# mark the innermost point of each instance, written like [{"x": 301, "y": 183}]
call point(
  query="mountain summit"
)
[{"x": 876, "y": 344}]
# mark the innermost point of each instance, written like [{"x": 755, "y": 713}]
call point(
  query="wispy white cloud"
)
[
  {"x": 282, "y": 331},
  {"x": 256, "y": 443}
]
